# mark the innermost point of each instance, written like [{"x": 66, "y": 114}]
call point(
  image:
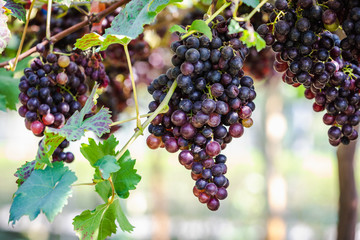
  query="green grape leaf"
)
[
  {"x": 76, "y": 126},
  {"x": 201, "y": 26},
  {"x": 89, "y": 40},
  {"x": 259, "y": 42},
  {"x": 47, "y": 147},
  {"x": 177, "y": 28},
  {"x": 9, "y": 91},
  {"x": 23, "y": 172},
  {"x": 45, "y": 190},
  {"x": 252, "y": 3},
  {"x": 128, "y": 24},
  {"x": 122, "y": 220},
  {"x": 93, "y": 152},
  {"x": 234, "y": 27},
  {"x": 252, "y": 39},
  {"x": 100, "y": 222},
  {"x": 107, "y": 165},
  {"x": 114, "y": 39},
  {"x": 17, "y": 10},
  {"x": 97, "y": 224},
  {"x": 126, "y": 178},
  {"x": 103, "y": 188}
]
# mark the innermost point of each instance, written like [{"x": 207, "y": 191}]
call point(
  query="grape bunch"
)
[
  {"x": 311, "y": 56},
  {"x": 351, "y": 26},
  {"x": 211, "y": 105},
  {"x": 51, "y": 90},
  {"x": 93, "y": 67}
]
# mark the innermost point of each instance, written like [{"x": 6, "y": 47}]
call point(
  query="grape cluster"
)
[
  {"x": 211, "y": 105},
  {"x": 51, "y": 90},
  {"x": 311, "y": 56},
  {"x": 351, "y": 26},
  {"x": 93, "y": 67}
]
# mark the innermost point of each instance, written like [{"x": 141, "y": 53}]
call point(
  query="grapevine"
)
[{"x": 90, "y": 61}]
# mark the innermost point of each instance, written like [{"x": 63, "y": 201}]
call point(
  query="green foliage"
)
[
  {"x": 201, "y": 26},
  {"x": 74, "y": 129},
  {"x": 234, "y": 27},
  {"x": 76, "y": 126},
  {"x": 47, "y": 147},
  {"x": 23, "y": 172},
  {"x": 100, "y": 223},
  {"x": 9, "y": 91},
  {"x": 249, "y": 37},
  {"x": 107, "y": 165},
  {"x": 127, "y": 25},
  {"x": 17, "y": 10},
  {"x": 126, "y": 178},
  {"x": 177, "y": 28},
  {"x": 45, "y": 190},
  {"x": 102, "y": 157},
  {"x": 93, "y": 152},
  {"x": 252, "y": 3}
]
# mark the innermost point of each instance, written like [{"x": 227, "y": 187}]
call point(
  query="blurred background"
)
[{"x": 282, "y": 171}]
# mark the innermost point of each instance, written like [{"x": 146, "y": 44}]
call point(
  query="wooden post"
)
[{"x": 348, "y": 200}]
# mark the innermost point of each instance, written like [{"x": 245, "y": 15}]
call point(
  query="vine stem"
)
[
  {"x": 129, "y": 119},
  {"x": 163, "y": 105},
  {"x": 111, "y": 200},
  {"x": 70, "y": 30},
  {"x": 134, "y": 118},
  {"x": 13, "y": 62},
  {"x": 209, "y": 19},
  {"x": 251, "y": 14},
  {"x": 138, "y": 121},
  {"x": 83, "y": 184},
  {"x": 48, "y": 23},
  {"x": 217, "y": 12}
]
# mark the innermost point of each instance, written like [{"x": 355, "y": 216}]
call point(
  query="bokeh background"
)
[{"x": 282, "y": 172}]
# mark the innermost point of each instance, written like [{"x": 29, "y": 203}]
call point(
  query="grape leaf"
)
[
  {"x": 259, "y": 42},
  {"x": 251, "y": 3},
  {"x": 17, "y": 10},
  {"x": 97, "y": 224},
  {"x": 47, "y": 147},
  {"x": 122, "y": 220},
  {"x": 201, "y": 26},
  {"x": 9, "y": 90},
  {"x": 45, "y": 190},
  {"x": 177, "y": 28},
  {"x": 107, "y": 165},
  {"x": 74, "y": 129},
  {"x": 100, "y": 223},
  {"x": 234, "y": 27},
  {"x": 23, "y": 172},
  {"x": 89, "y": 40},
  {"x": 252, "y": 39},
  {"x": 93, "y": 152},
  {"x": 126, "y": 178},
  {"x": 76, "y": 126}
]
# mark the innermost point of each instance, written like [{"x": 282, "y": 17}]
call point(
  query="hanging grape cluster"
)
[
  {"x": 311, "y": 56},
  {"x": 53, "y": 88},
  {"x": 212, "y": 104}
]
